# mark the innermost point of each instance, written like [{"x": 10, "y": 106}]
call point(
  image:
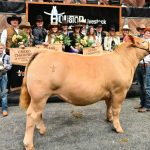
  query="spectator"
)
[
  {"x": 125, "y": 33},
  {"x": 5, "y": 65},
  {"x": 100, "y": 34},
  {"x": 141, "y": 29},
  {"x": 26, "y": 28},
  {"x": 111, "y": 41},
  {"x": 6, "y": 39},
  {"x": 143, "y": 72},
  {"x": 83, "y": 29},
  {"x": 64, "y": 27},
  {"x": 39, "y": 32},
  {"x": 64, "y": 32},
  {"x": 7, "y": 34},
  {"x": 74, "y": 36},
  {"x": 53, "y": 32}
]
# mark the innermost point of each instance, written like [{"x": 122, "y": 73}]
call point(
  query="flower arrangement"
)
[
  {"x": 19, "y": 39},
  {"x": 84, "y": 42},
  {"x": 62, "y": 39}
]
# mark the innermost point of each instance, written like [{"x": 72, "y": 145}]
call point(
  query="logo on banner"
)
[{"x": 56, "y": 17}]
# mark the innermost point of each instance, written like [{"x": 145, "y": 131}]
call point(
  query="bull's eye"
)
[{"x": 143, "y": 43}]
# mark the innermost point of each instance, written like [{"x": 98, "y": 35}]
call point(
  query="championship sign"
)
[
  {"x": 21, "y": 56},
  {"x": 93, "y": 51}
]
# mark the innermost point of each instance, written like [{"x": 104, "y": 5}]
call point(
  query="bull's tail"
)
[{"x": 25, "y": 98}]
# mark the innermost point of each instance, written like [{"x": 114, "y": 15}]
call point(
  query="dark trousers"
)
[{"x": 143, "y": 77}]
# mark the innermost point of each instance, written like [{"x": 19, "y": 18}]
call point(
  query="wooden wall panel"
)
[
  {"x": 135, "y": 22},
  {"x": 136, "y": 3}
]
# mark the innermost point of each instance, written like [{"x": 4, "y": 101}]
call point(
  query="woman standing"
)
[
  {"x": 74, "y": 37},
  {"x": 92, "y": 35},
  {"x": 26, "y": 29},
  {"x": 111, "y": 41},
  {"x": 53, "y": 32}
]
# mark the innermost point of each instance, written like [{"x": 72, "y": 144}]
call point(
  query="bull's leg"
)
[
  {"x": 116, "y": 107},
  {"x": 109, "y": 111},
  {"x": 34, "y": 112},
  {"x": 41, "y": 126},
  {"x": 30, "y": 125}
]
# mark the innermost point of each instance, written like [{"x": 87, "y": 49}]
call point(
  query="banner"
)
[
  {"x": 92, "y": 14},
  {"x": 93, "y": 51},
  {"x": 19, "y": 56}
]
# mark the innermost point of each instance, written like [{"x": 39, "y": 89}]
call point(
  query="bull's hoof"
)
[
  {"x": 110, "y": 119},
  {"x": 119, "y": 130},
  {"x": 42, "y": 131},
  {"x": 29, "y": 147}
]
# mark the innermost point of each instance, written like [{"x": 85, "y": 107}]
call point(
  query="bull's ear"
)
[{"x": 131, "y": 39}]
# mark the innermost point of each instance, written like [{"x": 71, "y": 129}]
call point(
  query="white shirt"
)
[
  {"x": 4, "y": 35},
  {"x": 146, "y": 58},
  {"x": 108, "y": 40},
  {"x": 99, "y": 37}
]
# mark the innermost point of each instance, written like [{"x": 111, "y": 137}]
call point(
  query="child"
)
[{"x": 5, "y": 65}]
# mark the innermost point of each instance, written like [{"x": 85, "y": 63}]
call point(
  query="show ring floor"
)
[{"x": 79, "y": 128}]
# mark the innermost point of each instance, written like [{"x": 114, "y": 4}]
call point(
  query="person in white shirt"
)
[
  {"x": 143, "y": 77},
  {"x": 7, "y": 34},
  {"x": 111, "y": 41},
  {"x": 6, "y": 40},
  {"x": 100, "y": 34},
  {"x": 5, "y": 65}
]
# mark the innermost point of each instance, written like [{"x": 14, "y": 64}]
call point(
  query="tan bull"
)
[{"x": 79, "y": 80}]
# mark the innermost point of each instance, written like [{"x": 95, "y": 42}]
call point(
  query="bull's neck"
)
[{"x": 131, "y": 54}]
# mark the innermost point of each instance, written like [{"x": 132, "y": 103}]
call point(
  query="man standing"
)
[
  {"x": 125, "y": 32},
  {"x": 143, "y": 76},
  {"x": 141, "y": 29},
  {"x": 83, "y": 29},
  {"x": 100, "y": 34},
  {"x": 39, "y": 32},
  {"x": 7, "y": 34},
  {"x": 5, "y": 65},
  {"x": 6, "y": 40}
]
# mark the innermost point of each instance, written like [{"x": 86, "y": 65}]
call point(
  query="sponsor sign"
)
[
  {"x": 75, "y": 13},
  {"x": 93, "y": 50},
  {"x": 21, "y": 56}
]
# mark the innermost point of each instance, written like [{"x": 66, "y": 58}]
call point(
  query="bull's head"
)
[{"x": 139, "y": 43}]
